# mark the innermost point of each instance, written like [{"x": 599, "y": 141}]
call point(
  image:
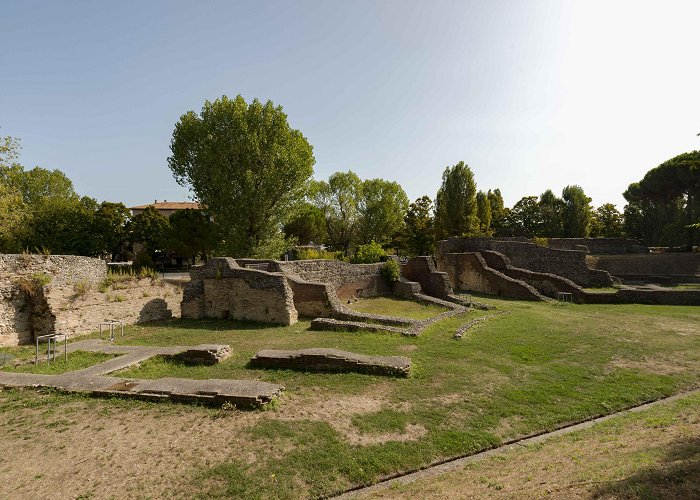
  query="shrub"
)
[
  {"x": 81, "y": 288},
  {"x": 541, "y": 242},
  {"x": 41, "y": 279},
  {"x": 391, "y": 271},
  {"x": 369, "y": 253},
  {"x": 147, "y": 272},
  {"x": 312, "y": 253}
]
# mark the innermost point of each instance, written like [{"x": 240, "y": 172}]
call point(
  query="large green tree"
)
[
  {"x": 339, "y": 200},
  {"x": 109, "y": 232},
  {"x": 607, "y": 222},
  {"x": 483, "y": 212},
  {"x": 308, "y": 227},
  {"x": 455, "y": 203},
  {"x": 551, "y": 208},
  {"x": 190, "y": 234},
  {"x": 525, "y": 218},
  {"x": 248, "y": 167},
  {"x": 149, "y": 229},
  {"x": 498, "y": 211},
  {"x": 576, "y": 212},
  {"x": 675, "y": 179},
  {"x": 382, "y": 208},
  {"x": 420, "y": 231}
]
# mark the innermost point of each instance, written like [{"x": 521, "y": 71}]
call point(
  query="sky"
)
[{"x": 532, "y": 95}]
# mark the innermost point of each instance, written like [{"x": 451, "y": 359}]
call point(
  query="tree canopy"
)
[
  {"x": 576, "y": 212},
  {"x": 248, "y": 167},
  {"x": 455, "y": 203}
]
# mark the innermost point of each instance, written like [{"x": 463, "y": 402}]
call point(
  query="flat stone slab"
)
[
  {"x": 323, "y": 359},
  {"x": 93, "y": 380},
  {"x": 242, "y": 393}
]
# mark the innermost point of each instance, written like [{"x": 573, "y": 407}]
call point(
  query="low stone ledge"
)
[
  {"x": 335, "y": 325},
  {"x": 322, "y": 359}
]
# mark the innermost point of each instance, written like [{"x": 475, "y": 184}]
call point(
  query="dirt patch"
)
[
  {"x": 658, "y": 366},
  {"x": 412, "y": 432}
]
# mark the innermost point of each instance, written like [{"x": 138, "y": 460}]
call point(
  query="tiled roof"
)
[{"x": 169, "y": 205}]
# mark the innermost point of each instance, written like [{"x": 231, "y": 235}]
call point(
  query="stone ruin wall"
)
[
  {"x": 662, "y": 267},
  {"x": 222, "y": 289},
  {"x": 569, "y": 264},
  {"x": 432, "y": 282},
  {"x": 346, "y": 280},
  {"x": 57, "y": 307},
  {"x": 547, "y": 284},
  {"x": 606, "y": 246},
  {"x": 469, "y": 272}
]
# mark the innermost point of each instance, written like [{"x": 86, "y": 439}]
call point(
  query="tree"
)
[
  {"x": 309, "y": 226},
  {"x": 677, "y": 178},
  {"x": 62, "y": 226},
  {"x": 498, "y": 210},
  {"x": 382, "y": 208},
  {"x": 110, "y": 229},
  {"x": 420, "y": 232},
  {"x": 607, "y": 222},
  {"x": 12, "y": 209},
  {"x": 190, "y": 234},
  {"x": 339, "y": 200},
  {"x": 551, "y": 207},
  {"x": 149, "y": 229},
  {"x": 248, "y": 167},
  {"x": 525, "y": 218},
  {"x": 483, "y": 212},
  {"x": 576, "y": 213},
  {"x": 455, "y": 203}
]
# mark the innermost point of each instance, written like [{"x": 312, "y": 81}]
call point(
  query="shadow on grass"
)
[
  {"x": 209, "y": 324},
  {"x": 677, "y": 476}
]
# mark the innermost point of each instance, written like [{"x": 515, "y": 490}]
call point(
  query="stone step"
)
[{"x": 334, "y": 360}]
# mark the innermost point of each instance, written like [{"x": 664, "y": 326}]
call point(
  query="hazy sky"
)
[{"x": 531, "y": 94}]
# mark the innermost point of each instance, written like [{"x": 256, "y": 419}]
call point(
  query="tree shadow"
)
[
  {"x": 210, "y": 324},
  {"x": 677, "y": 476}
]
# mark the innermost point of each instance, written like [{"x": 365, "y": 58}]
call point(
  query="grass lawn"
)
[
  {"x": 77, "y": 360},
  {"x": 392, "y": 306},
  {"x": 651, "y": 454},
  {"x": 534, "y": 369}
]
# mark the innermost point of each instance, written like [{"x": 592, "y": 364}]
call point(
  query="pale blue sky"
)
[{"x": 531, "y": 94}]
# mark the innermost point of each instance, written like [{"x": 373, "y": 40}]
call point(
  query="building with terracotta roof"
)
[{"x": 166, "y": 208}]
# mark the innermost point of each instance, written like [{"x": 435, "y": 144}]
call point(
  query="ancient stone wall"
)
[
  {"x": 345, "y": 279},
  {"x": 223, "y": 289},
  {"x": 599, "y": 245},
  {"x": 71, "y": 299},
  {"x": 424, "y": 271},
  {"x": 569, "y": 264},
  {"x": 469, "y": 272},
  {"x": 680, "y": 266},
  {"x": 547, "y": 284},
  {"x": 62, "y": 269}
]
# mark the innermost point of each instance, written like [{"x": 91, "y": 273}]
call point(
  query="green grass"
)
[
  {"x": 392, "y": 306},
  {"x": 77, "y": 360},
  {"x": 532, "y": 370}
]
